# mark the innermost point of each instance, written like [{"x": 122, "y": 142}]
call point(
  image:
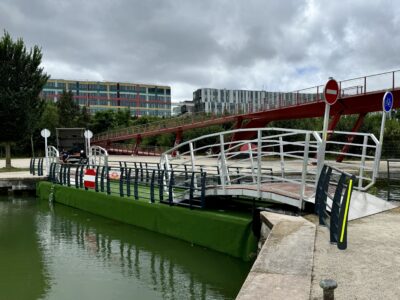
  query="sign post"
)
[
  {"x": 387, "y": 104},
  {"x": 88, "y": 135},
  {"x": 331, "y": 94},
  {"x": 45, "y": 133}
]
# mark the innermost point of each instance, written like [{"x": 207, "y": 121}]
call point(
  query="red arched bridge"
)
[{"x": 358, "y": 96}]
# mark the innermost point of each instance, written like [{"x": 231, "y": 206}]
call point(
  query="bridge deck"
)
[
  {"x": 361, "y": 205},
  {"x": 287, "y": 193}
]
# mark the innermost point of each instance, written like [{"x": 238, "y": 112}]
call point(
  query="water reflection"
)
[
  {"x": 93, "y": 257},
  {"x": 387, "y": 190},
  {"x": 22, "y": 271}
]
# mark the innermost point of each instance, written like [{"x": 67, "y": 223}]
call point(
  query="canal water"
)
[{"x": 62, "y": 253}]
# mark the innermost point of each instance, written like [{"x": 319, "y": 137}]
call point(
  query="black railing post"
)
[
  {"x": 51, "y": 172},
  {"x": 344, "y": 215},
  {"x": 65, "y": 174},
  {"x": 33, "y": 166},
  {"x": 153, "y": 174},
  {"x": 61, "y": 172},
  {"x": 203, "y": 190},
  {"x": 136, "y": 185},
  {"x": 191, "y": 189},
  {"x": 141, "y": 172},
  {"x": 121, "y": 182},
  {"x": 77, "y": 176},
  {"x": 69, "y": 175},
  {"x": 128, "y": 181},
  {"x": 81, "y": 177},
  {"x": 108, "y": 181},
  {"x": 186, "y": 173},
  {"x": 40, "y": 167},
  {"x": 335, "y": 210},
  {"x": 161, "y": 186},
  {"x": 147, "y": 173},
  {"x": 102, "y": 179},
  {"x": 171, "y": 188},
  {"x": 96, "y": 179}
]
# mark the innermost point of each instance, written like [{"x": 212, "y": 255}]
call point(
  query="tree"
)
[
  {"x": 50, "y": 118},
  {"x": 68, "y": 110},
  {"x": 84, "y": 118},
  {"x": 102, "y": 121},
  {"x": 122, "y": 118},
  {"x": 21, "y": 80}
]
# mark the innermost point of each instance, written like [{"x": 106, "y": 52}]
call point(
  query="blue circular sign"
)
[{"x": 387, "y": 101}]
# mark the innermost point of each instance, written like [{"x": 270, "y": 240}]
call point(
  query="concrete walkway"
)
[
  {"x": 297, "y": 255},
  {"x": 284, "y": 265},
  {"x": 370, "y": 267}
]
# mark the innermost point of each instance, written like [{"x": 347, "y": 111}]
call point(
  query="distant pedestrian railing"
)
[
  {"x": 171, "y": 187},
  {"x": 332, "y": 203},
  {"x": 36, "y": 166},
  {"x": 393, "y": 178},
  {"x": 276, "y": 100}
]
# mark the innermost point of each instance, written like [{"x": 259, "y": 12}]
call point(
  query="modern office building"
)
[
  {"x": 140, "y": 99},
  {"x": 184, "y": 107},
  {"x": 219, "y": 101}
]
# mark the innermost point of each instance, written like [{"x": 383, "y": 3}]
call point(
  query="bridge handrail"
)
[
  {"x": 136, "y": 183},
  {"x": 98, "y": 155},
  {"x": 272, "y": 143},
  {"x": 337, "y": 202}
]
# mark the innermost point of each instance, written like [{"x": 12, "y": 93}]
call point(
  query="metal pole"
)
[
  {"x": 250, "y": 153},
  {"x": 47, "y": 155},
  {"x": 304, "y": 170},
  {"x": 378, "y": 157},
  {"x": 192, "y": 156},
  {"x": 362, "y": 165},
  {"x": 321, "y": 150},
  {"x": 259, "y": 162},
  {"x": 224, "y": 171},
  {"x": 282, "y": 157}
]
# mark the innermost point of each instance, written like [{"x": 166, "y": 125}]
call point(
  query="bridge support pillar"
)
[
  {"x": 239, "y": 122},
  {"x": 137, "y": 144},
  {"x": 333, "y": 123},
  {"x": 178, "y": 140},
  {"x": 350, "y": 138}
]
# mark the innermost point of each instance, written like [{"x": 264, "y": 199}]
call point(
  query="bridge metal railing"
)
[
  {"x": 119, "y": 148},
  {"x": 332, "y": 202},
  {"x": 276, "y": 155},
  {"x": 393, "y": 179},
  {"x": 360, "y": 154},
  {"x": 37, "y": 165},
  {"x": 290, "y": 154},
  {"x": 154, "y": 185}
]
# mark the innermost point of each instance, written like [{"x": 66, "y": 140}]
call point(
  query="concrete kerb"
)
[{"x": 284, "y": 265}]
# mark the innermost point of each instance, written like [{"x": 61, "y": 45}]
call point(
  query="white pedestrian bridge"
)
[{"x": 282, "y": 165}]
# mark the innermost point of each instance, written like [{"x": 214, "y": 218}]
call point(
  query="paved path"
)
[
  {"x": 369, "y": 267},
  {"x": 16, "y": 162}
]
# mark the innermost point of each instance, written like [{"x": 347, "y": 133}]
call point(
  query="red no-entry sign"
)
[
  {"x": 89, "y": 178},
  {"x": 331, "y": 91}
]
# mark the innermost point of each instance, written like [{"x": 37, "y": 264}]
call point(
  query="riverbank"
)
[{"x": 229, "y": 233}]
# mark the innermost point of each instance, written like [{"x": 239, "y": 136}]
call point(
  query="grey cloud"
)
[{"x": 279, "y": 45}]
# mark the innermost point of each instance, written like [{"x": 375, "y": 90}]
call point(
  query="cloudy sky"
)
[{"x": 251, "y": 44}]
